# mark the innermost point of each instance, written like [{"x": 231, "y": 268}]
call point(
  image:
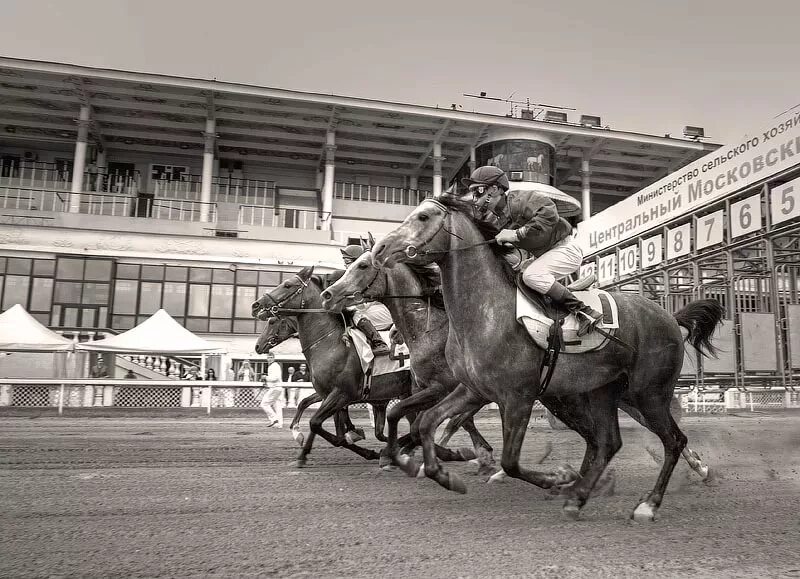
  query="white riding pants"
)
[
  {"x": 375, "y": 312},
  {"x": 541, "y": 273}
]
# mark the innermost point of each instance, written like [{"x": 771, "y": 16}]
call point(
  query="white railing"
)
[
  {"x": 106, "y": 204},
  {"x": 280, "y": 217},
  {"x": 40, "y": 175},
  {"x": 378, "y": 194},
  {"x": 223, "y": 190}
]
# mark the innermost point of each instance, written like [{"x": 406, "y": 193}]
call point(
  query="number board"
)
[
  {"x": 785, "y": 201},
  {"x": 652, "y": 251},
  {"x": 628, "y": 259},
  {"x": 710, "y": 229},
  {"x": 746, "y": 216},
  {"x": 606, "y": 268},
  {"x": 679, "y": 241},
  {"x": 588, "y": 269}
]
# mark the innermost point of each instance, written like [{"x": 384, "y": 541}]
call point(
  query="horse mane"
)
[{"x": 466, "y": 208}]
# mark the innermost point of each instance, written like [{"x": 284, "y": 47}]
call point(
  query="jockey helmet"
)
[
  {"x": 351, "y": 253},
  {"x": 487, "y": 176}
]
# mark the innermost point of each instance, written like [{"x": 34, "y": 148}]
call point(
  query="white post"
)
[
  {"x": 437, "y": 169},
  {"x": 586, "y": 193},
  {"x": 208, "y": 170},
  {"x": 101, "y": 170},
  {"x": 327, "y": 186},
  {"x": 472, "y": 161},
  {"x": 79, "y": 162},
  {"x": 61, "y": 400}
]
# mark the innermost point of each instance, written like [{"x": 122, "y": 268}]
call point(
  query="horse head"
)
[
  {"x": 288, "y": 295},
  {"x": 362, "y": 281},
  {"x": 421, "y": 238},
  {"x": 277, "y": 331}
]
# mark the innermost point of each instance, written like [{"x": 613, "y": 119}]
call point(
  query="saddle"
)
[
  {"x": 541, "y": 317},
  {"x": 372, "y": 365}
]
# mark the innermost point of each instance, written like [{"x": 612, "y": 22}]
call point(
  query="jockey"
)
[
  {"x": 544, "y": 248},
  {"x": 368, "y": 315}
]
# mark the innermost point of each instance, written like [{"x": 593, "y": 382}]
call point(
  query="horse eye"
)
[
  {"x": 423, "y": 217},
  {"x": 362, "y": 266}
]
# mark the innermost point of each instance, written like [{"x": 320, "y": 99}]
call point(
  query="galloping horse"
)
[
  {"x": 495, "y": 358},
  {"x": 334, "y": 365},
  {"x": 424, "y": 327}
]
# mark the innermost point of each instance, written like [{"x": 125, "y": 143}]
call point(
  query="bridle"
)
[{"x": 413, "y": 251}]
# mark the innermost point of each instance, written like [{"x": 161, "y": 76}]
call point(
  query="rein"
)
[{"x": 413, "y": 251}]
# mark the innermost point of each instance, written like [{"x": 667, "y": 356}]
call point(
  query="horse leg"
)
[
  {"x": 692, "y": 458},
  {"x": 459, "y": 400},
  {"x": 380, "y": 420},
  {"x": 656, "y": 413},
  {"x": 602, "y": 422},
  {"x": 483, "y": 450},
  {"x": 298, "y": 436},
  {"x": 352, "y": 433},
  {"x": 515, "y": 423},
  {"x": 334, "y": 402}
]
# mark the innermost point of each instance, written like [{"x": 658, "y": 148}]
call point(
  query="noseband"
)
[
  {"x": 277, "y": 308},
  {"x": 413, "y": 251}
]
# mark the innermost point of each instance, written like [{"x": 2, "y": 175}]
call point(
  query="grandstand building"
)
[{"x": 123, "y": 192}]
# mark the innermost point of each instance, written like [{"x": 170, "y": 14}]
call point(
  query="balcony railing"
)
[
  {"x": 223, "y": 189},
  {"x": 106, "y": 204},
  {"x": 280, "y": 217},
  {"x": 57, "y": 177},
  {"x": 378, "y": 194}
]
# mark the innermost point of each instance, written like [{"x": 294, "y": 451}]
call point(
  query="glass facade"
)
[
  {"x": 72, "y": 292},
  {"x": 522, "y": 160}
]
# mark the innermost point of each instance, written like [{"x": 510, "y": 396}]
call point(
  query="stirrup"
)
[
  {"x": 380, "y": 349},
  {"x": 587, "y": 322}
]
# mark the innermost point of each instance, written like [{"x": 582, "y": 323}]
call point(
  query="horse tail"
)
[{"x": 700, "y": 318}]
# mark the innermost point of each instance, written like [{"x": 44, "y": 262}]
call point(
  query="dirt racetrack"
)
[{"x": 216, "y": 497}]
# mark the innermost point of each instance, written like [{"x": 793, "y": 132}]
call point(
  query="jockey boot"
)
[
  {"x": 379, "y": 347},
  {"x": 587, "y": 317}
]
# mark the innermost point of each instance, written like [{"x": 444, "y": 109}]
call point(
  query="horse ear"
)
[
  {"x": 306, "y": 272},
  {"x": 371, "y": 241}
]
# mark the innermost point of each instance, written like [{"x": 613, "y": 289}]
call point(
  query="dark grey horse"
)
[
  {"x": 424, "y": 326},
  {"x": 494, "y": 357}
]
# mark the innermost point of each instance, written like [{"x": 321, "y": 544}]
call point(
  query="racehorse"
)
[
  {"x": 334, "y": 365},
  {"x": 495, "y": 358},
  {"x": 277, "y": 331},
  {"x": 424, "y": 327}
]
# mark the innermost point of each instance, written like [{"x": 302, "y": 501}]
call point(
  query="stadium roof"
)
[{"x": 153, "y": 113}]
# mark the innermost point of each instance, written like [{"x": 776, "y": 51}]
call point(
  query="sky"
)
[{"x": 649, "y": 66}]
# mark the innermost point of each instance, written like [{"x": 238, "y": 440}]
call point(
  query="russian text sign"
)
[{"x": 720, "y": 173}]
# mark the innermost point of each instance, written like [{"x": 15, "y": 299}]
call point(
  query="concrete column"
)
[
  {"x": 586, "y": 193},
  {"x": 101, "y": 170},
  {"x": 413, "y": 182},
  {"x": 208, "y": 170},
  {"x": 437, "y": 169},
  {"x": 79, "y": 162},
  {"x": 330, "y": 174},
  {"x": 472, "y": 161}
]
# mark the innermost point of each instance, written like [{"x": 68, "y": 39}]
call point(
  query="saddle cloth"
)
[
  {"x": 379, "y": 365},
  {"x": 538, "y": 323}
]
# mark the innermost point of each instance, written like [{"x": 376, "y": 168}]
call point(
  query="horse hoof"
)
[
  {"x": 408, "y": 465},
  {"x": 486, "y": 470},
  {"x": 705, "y": 474},
  {"x": 467, "y": 453},
  {"x": 499, "y": 477},
  {"x": 298, "y": 463},
  {"x": 388, "y": 468},
  {"x": 455, "y": 484},
  {"x": 644, "y": 513},
  {"x": 572, "y": 512},
  {"x": 475, "y": 461},
  {"x": 353, "y": 436},
  {"x": 384, "y": 460},
  {"x": 298, "y": 436},
  {"x": 565, "y": 474},
  {"x": 421, "y": 471},
  {"x": 605, "y": 486}
]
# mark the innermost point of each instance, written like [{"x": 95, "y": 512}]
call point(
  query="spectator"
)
[
  {"x": 210, "y": 374},
  {"x": 294, "y": 393},
  {"x": 99, "y": 370},
  {"x": 129, "y": 375},
  {"x": 289, "y": 374},
  {"x": 246, "y": 373},
  {"x": 272, "y": 394}
]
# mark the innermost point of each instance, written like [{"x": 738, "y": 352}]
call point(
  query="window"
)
[
  {"x": 125, "y": 297},
  {"x": 269, "y": 278},
  {"x": 127, "y": 271},
  {"x": 18, "y": 266},
  {"x": 16, "y": 290},
  {"x": 153, "y": 272},
  {"x": 95, "y": 293},
  {"x": 97, "y": 270},
  {"x": 222, "y": 301},
  {"x": 245, "y": 296},
  {"x": 247, "y": 278},
  {"x": 174, "y": 298},
  {"x": 222, "y": 276},
  {"x": 198, "y": 300},
  {"x": 69, "y": 268},
  {"x": 42, "y": 294},
  {"x": 68, "y": 292},
  {"x": 200, "y": 274},
  {"x": 177, "y": 274},
  {"x": 44, "y": 267},
  {"x": 150, "y": 298}
]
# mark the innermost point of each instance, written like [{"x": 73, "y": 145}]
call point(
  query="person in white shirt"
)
[{"x": 272, "y": 399}]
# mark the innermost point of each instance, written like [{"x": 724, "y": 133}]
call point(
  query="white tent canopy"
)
[
  {"x": 158, "y": 334},
  {"x": 21, "y": 332}
]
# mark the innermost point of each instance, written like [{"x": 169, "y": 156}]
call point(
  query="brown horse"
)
[
  {"x": 424, "y": 327},
  {"x": 495, "y": 358}
]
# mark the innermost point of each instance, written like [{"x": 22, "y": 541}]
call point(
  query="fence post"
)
[
  {"x": 61, "y": 399},
  {"x": 208, "y": 397}
]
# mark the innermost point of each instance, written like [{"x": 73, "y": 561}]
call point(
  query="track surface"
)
[{"x": 188, "y": 497}]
